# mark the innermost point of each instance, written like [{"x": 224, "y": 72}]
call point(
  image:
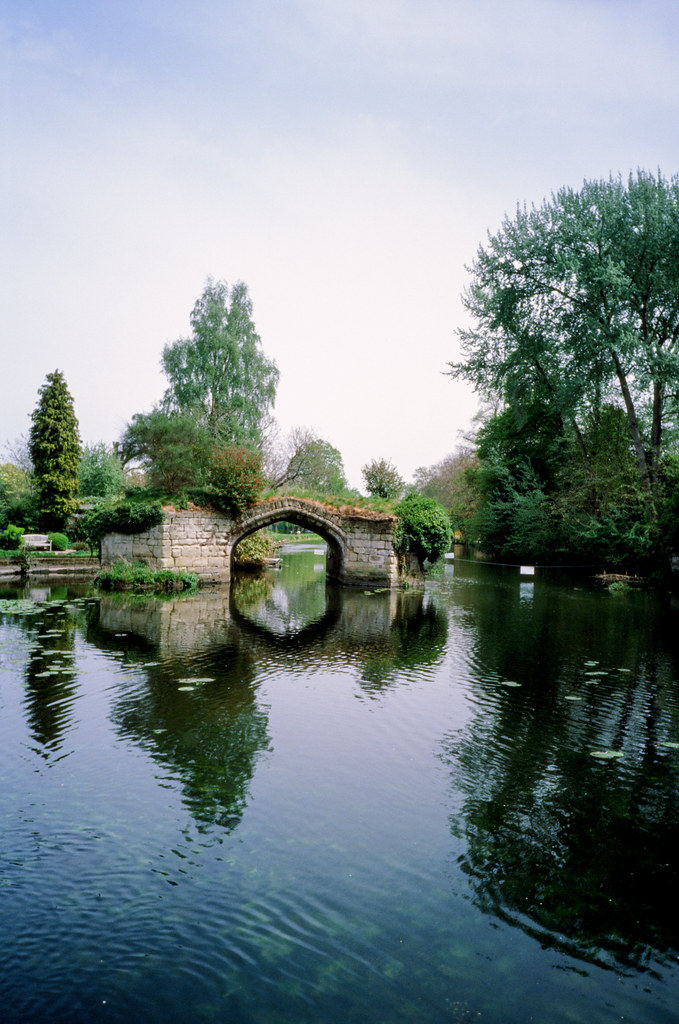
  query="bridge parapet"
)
[{"x": 360, "y": 545}]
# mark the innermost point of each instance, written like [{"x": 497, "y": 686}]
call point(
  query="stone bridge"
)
[{"x": 360, "y": 543}]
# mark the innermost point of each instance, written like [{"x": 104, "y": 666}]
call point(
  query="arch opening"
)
[{"x": 330, "y": 534}]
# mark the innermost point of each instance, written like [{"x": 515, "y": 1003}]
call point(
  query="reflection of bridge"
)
[
  {"x": 378, "y": 632},
  {"x": 360, "y": 543}
]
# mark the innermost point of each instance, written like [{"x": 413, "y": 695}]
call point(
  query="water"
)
[{"x": 286, "y": 802}]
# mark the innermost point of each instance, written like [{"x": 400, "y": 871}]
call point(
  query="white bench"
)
[{"x": 37, "y": 541}]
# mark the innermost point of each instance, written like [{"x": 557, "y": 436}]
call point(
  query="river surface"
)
[{"x": 288, "y": 802}]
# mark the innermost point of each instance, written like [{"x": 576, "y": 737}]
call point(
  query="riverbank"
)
[{"x": 72, "y": 566}]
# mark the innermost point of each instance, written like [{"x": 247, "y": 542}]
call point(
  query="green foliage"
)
[
  {"x": 11, "y": 538},
  {"x": 219, "y": 376},
  {"x": 100, "y": 473},
  {"x": 172, "y": 448},
  {"x": 254, "y": 549},
  {"x": 618, "y": 587},
  {"x": 60, "y": 541},
  {"x": 575, "y": 309},
  {"x": 451, "y": 483},
  {"x": 236, "y": 476},
  {"x": 315, "y": 465},
  {"x": 18, "y": 501},
  {"x": 382, "y": 479},
  {"x": 515, "y": 519},
  {"x": 577, "y": 303},
  {"x": 127, "y": 517},
  {"x": 423, "y": 528},
  {"x": 55, "y": 450},
  {"x": 15, "y": 482},
  {"x": 137, "y": 576}
]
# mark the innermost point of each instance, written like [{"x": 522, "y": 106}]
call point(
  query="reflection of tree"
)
[
  {"x": 286, "y": 603},
  {"x": 576, "y": 851},
  {"x": 417, "y": 637},
  {"x": 209, "y": 735},
  {"x": 51, "y": 683}
]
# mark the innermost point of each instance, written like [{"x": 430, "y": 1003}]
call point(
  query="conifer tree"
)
[{"x": 54, "y": 445}]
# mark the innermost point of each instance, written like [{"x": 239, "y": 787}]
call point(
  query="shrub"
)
[
  {"x": 236, "y": 476},
  {"x": 60, "y": 541},
  {"x": 100, "y": 473},
  {"x": 423, "y": 528},
  {"x": 11, "y": 538},
  {"x": 382, "y": 479},
  {"x": 127, "y": 517},
  {"x": 255, "y": 549},
  {"x": 137, "y": 576}
]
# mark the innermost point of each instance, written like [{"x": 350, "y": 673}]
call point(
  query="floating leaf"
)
[{"x": 606, "y": 755}]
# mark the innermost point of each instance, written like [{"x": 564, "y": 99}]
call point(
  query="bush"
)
[
  {"x": 423, "y": 528},
  {"x": 236, "y": 476},
  {"x": 255, "y": 549},
  {"x": 137, "y": 576},
  {"x": 127, "y": 517},
  {"x": 382, "y": 479},
  {"x": 11, "y": 538},
  {"x": 100, "y": 473},
  {"x": 60, "y": 541}
]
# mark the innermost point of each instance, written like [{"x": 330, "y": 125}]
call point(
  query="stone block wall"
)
[{"x": 361, "y": 549}]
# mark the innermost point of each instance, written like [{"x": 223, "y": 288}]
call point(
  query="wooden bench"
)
[{"x": 37, "y": 541}]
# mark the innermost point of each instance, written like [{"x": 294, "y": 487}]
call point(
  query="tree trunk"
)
[
  {"x": 633, "y": 423},
  {"x": 656, "y": 433}
]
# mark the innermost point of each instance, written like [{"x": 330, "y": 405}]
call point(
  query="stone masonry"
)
[{"x": 360, "y": 545}]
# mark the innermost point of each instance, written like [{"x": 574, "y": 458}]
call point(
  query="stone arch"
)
[{"x": 301, "y": 514}]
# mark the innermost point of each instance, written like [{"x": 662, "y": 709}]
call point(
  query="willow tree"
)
[
  {"x": 576, "y": 303},
  {"x": 54, "y": 445},
  {"x": 219, "y": 375}
]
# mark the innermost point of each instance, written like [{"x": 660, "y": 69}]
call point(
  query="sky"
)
[{"x": 344, "y": 158}]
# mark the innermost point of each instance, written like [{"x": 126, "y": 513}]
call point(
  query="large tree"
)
[
  {"x": 309, "y": 462},
  {"x": 54, "y": 445},
  {"x": 172, "y": 449},
  {"x": 219, "y": 376},
  {"x": 575, "y": 304},
  {"x": 450, "y": 483},
  {"x": 382, "y": 479},
  {"x": 100, "y": 473}
]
